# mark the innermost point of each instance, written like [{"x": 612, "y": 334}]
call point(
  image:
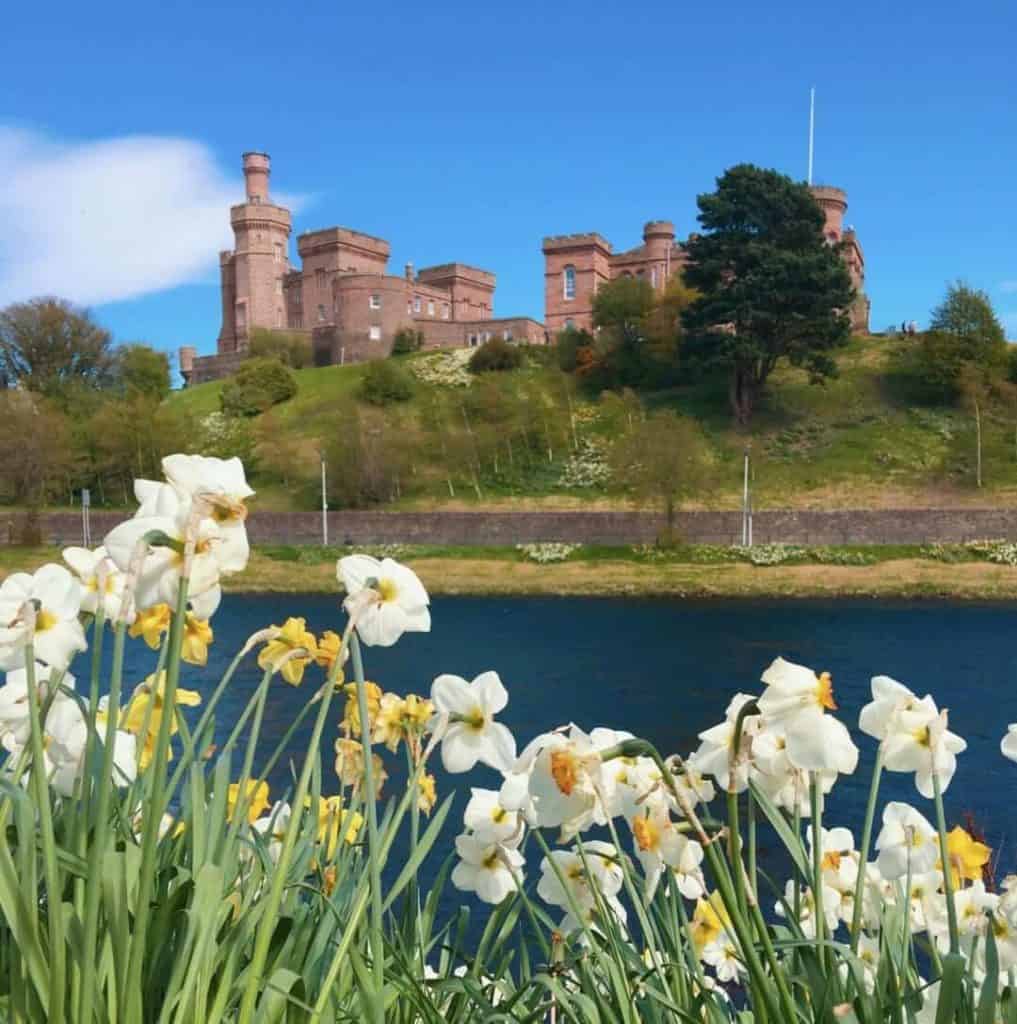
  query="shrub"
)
[
  {"x": 568, "y": 346},
  {"x": 289, "y": 348},
  {"x": 407, "y": 341},
  {"x": 496, "y": 355},
  {"x": 257, "y": 385},
  {"x": 385, "y": 382}
]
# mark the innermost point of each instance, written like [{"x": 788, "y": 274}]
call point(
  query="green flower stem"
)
[
  {"x": 944, "y": 854},
  {"x": 816, "y": 803},
  {"x": 100, "y": 820},
  {"x": 270, "y": 914},
  {"x": 153, "y": 810},
  {"x": 734, "y": 852},
  {"x": 55, "y": 912},
  {"x": 373, "y": 850},
  {"x": 863, "y": 850},
  {"x": 751, "y": 828}
]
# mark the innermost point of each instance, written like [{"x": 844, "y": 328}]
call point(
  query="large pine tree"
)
[{"x": 771, "y": 287}]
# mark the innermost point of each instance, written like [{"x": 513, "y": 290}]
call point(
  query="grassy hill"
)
[{"x": 520, "y": 436}]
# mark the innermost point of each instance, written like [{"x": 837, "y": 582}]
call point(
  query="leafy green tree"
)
[
  {"x": 406, "y": 341},
  {"x": 256, "y": 386},
  {"x": 966, "y": 314},
  {"x": 47, "y": 345},
  {"x": 292, "y": 348},
  {"x": 662, "y": 460},
  {"x": 385, "y": 382},
  {"x": 621, "y": 309},
  {"x": 37, "y": 457},
  {"x": 142, "y": 370},
  {"x": 770, "y": 286}
]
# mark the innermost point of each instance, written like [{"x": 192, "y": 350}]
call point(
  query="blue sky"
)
[{"x": 469, "y": 131}]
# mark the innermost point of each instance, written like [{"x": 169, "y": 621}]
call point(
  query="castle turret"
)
[
  {"x": 252, "y": 274},
  {"x": 833, "y": 202}
]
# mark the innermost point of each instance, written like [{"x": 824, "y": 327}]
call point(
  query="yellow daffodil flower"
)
[
  {"x": 278, "y": 654},
  {"x": 351, "y": 712},
  {"x": 197, "y": 636},
  {"x": 256, "y": 794},
  {"x": 328, "y": 651},
  {"x": 967, "y": 856},
  {"x": 709, "y": 920},
  {"x": 428, "y": 795},
  {"x": 146, "y": 706},
  {"x": 332, "y": 817},
  {"x": 151, "y": 624}
]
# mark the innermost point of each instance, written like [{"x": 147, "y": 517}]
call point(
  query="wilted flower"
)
[
  {"x": 290, "y": 651},
  {"x": 349, "y": 765},
  {"x": 351, "y": 712},
  {"x": 56, "y": 597},
  {"x": 197, "y": 637},
  {"x": 472, "y": 734},
  {"x": 328, "y": 650},
  {"x": 387, "y": 599}
]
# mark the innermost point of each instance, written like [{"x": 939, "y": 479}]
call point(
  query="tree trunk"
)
[
  {"x": 978, "y": 442},
  {"x": 742, "y": 395}
]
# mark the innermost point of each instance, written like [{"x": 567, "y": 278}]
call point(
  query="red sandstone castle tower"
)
[{"x": 252, "y": 273}]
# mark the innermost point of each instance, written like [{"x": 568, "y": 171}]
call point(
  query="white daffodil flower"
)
[
  {"x": 786, "y": 785},
  {"x": 222, "y": 486},
  {"x": 272, "y": 828},
  {"x": 906, "y": 839},
  {"x": 1008, "y": 747},
  {"x": 15, "y": 720},
  {"x": 925, "y": 900},
  {"x": 973, "y": 905},
  {"x": 582, "y": 887},
  {"x": 66, "y": 738},
  {"x": 838, "y": 858},
  {"x": 101, "y": 582},
  {"x": 387, "y": 598},
  {"x": 486, "y": 818},
  {"x": 472, "y": 734},
  {"x": 159, "y": 579},
  {"x": 489, "y": 869},
  {"x": 565, "y": 779},
  {"x": 796, "y": 700},
  {"x": 659, "y": 844},
  {"x": 920, "y": 742},
  {"x": 715, "y": 753},
  {"x": 889, "y": 699},
  {"x": 58, "y": 635},
  {"x": 807, "y": 910},
  {"x": 722, "y": 956},
  {"x": 514, "y": 795}
]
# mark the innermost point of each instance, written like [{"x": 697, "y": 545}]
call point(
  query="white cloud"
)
[{"x": 114, "y": 219}]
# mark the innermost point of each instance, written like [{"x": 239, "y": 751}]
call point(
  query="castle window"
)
[
  {"x": 409, "y": 307},
  {"x": 473, "y": 341},
  {"x": 278, "y": 252},
  {"x": 507, "y": 334},
  {"x": 569, "y": 324},
  {"x": 416, "y": 303},
  {"x": 430, "y": 308},
  {"x": 653, "y": 276},
  {"x": 444, "y": 311},
  {"x": 319, "y": 279},
  {"x": 374, "y": 333},
  {"x": 321, "y": 314},
  {"x": 375, "y": 300},
  {"x": 278, "y": 286},
  {"x": 569, "y": 283}
]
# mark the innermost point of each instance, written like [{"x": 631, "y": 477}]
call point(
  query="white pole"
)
[
  {"x": 324, "y": 505},
  {"x": 812, "y": 128},
  {"x": 745, "y": 502}
]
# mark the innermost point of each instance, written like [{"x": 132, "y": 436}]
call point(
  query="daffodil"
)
[
  {"x": 472, "y": 734},
  {"x": 583, "y": 882},
  {"x": 889, "y": 699},
  {"x": 716, "y": 755},
  {"x": 349, "y": 765},
  {"x": 487, "y": 818},
  {"x": 255, "y": 794},
  {"x": 55, "y": 596},
  {"x": 565, "y": 772},
  {"x": 906, "y": 842},
  {"x": 146, "y": 706},
  {"x": 386, "y": 598},
  {"x": 151, "y": 623},
  {"x": 1008, "y": 747},
  {"x": 197, "y": 637},
  {"x": 101, "y": 582},
  {"x": 658, "y": 844},
  {"x": 290, "y": 652},
  {"x": 329, "y": 644},
  {"x": 722, "y": 956},
  {"x": 15, "y": 711},
  {"x": 491, "y": 870},
  {"x": 427, "y": 795},
  {"x": 388, "y": 725},
  {"x": 335, "y": 820},
  {"x": 796, "y": 700},
  {"x": 968, "y": 857},
  {"x": 351, "y": 712},
  {"x": 920, "y": 742},
  {"x": 709, "y": 921}
]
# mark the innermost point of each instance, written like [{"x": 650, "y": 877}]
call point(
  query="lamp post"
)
[
  {"x": 324, "y": 503},
  {"x": 746, "y": 504}
]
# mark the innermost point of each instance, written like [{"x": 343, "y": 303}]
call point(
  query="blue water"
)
[{"x": 665, "y": 670}]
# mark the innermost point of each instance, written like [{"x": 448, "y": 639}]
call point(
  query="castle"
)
[
  {"x": 575, "y": 266},
  {"x": 343, "y": 297}
]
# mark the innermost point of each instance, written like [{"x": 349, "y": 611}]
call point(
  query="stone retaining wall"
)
[{"x": 870, "y": 526}]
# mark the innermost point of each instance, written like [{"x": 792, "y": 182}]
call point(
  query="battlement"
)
[
  {"x": 583, "y": 239},
  {"x": 330, "y": 238},
  {"x": 658, "y": 229},
  {"x": 829, "y": 194},
  {"x": 449, "y": 271}
]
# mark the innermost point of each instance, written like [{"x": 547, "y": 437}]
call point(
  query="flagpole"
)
[{"x": 812, "y": 127}]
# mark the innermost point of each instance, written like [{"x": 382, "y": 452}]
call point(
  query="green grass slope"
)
[{"x": 511, "y": 436}]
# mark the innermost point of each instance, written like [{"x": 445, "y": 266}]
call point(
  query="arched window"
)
[{"x": 569, "y": 282}]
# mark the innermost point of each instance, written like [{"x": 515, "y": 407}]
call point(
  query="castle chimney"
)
[
  {"x": 409, "y": 271},
  {"x": 257, "y": 167}
]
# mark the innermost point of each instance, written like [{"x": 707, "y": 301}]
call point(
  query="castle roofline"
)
[
  {"x": 445, "y": 270},
  {"x": 581, "y": 239},
  {"x": 339, "y": 232}
]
